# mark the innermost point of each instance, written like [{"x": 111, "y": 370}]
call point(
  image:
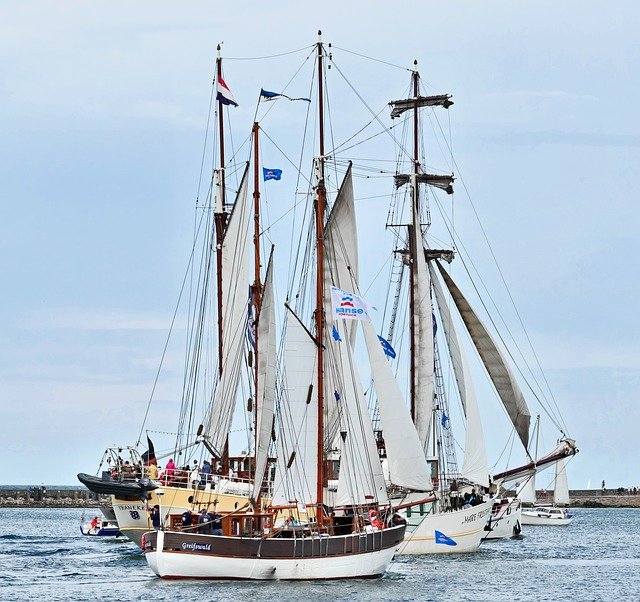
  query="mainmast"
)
[
  {"x": 319, "y": 311},
  {"x": 414, "y": 237},
  {"x": 256, "y": 289}
]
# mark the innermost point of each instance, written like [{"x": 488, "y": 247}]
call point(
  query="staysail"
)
[
  {"x": 406, "y": 459},
  {"x": 361, "y": 477},
  {"x": 235, "y": 292},
  {"x": 265, "y": 393},
  {"x": 296, "y": 471},
  {"x": 494, "y": 362},
  {"x": 474, "y": 466}
]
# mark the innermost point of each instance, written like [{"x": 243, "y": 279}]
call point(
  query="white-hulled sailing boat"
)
[
  {"x": 549, "y": 515},
  {"x": 358, "y": 538},
  {"x": 448, "y": 524},
  {"x": 127, "y": 475}
]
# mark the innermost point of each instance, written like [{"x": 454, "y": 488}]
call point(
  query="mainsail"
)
[
  {"x": 494, "y": 362},
  {"x": 422, "y": 334},
  {"x": 561, "y": 487},
  {"x": 235, "y": 291}
]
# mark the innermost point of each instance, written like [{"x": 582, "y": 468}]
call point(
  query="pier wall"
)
[{"x": 54, "y": 497}]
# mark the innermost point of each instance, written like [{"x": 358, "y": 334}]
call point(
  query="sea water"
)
[{"x": 43, "y": 556}]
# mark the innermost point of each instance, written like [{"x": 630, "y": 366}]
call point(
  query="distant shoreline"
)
[{"x": 42, "y": 496}]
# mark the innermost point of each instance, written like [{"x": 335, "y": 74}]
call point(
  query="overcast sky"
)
[{"x": 102, "y": 111}]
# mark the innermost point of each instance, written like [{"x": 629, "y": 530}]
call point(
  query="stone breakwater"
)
[
  {"x": 50, "y": 497},
  {"x": 79, "y": 497}
]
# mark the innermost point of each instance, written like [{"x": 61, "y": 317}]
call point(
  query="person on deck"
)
[
  {"x": 169, "y": 470},
  {"x": 154, "y": 515}
]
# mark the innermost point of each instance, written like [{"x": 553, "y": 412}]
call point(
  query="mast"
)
[
  {"x": 220, "y": 218},
  {"x": 414, "y": 239},
  {"x": 319, "y": 311},
  {"x": 256, "y": 289}
]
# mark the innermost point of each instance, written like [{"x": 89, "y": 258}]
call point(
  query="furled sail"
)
[
  {"x": 423, "y": 335},
  {"x": 361, "y": 479},
  {"x": 296, "y": 470},
  {"x": 564, "y": 448},
  {"x": 406, "y": 459},
  {"x": 495, "y": 363},
  {"x": 561, "y": 487},
  {"x": 265, "y": 391},
  {"x": 474, "y": 466},
  {"x": 235, "y": 291},
  {"x": 341, "y": 270}
]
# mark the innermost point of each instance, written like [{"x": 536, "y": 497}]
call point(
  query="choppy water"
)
[{"x": 597, "y": 557}]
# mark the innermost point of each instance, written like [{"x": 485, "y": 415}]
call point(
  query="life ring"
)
[{"x": 374, "y": 519}]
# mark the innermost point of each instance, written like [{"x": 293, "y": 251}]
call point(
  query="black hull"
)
[{"x": 121, "y": 489}]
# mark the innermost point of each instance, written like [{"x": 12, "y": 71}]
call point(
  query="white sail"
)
[
  {"x": 527, "y": 490},
  {"x": 494, "y": 361},
  {"x": 341, "y": 270},
  {"x": 561, "y": 486},
  {"x": 361, "y": 479},
  {"x": 235, "y": 294},
  {"x": 296, "y": 471},
  {"x": 405, "y": 456},
  {"x": 423, "y": 336},
  {"x": 474, "y": 466},
  {"x": 266, "y": 389}
]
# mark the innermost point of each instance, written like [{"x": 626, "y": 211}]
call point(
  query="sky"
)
[{"x": 102, "y": 113}]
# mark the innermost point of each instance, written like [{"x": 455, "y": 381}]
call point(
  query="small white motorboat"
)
[{"x": 546, "y": 515}]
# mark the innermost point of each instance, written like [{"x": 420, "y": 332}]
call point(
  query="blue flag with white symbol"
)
[
  {"x": 445, "y": 419},
  {"x": 271, "y": 174},
  {"x": 388, "y": 349},
  {"x": 443, "y": 539},
  {"x": 336, "y": 334}
]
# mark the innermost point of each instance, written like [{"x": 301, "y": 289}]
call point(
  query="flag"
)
[
  {"x": 224, "y": 94},
  {"x": 443, "y": 539},
  {"x": 271, "y": 174},
  {"x": 336, "y": 334},
  {"x": 266, "y": 96},
  {"x": 348, "y": 306},
  {"x": 388, "y": 349},
  {"x": 149, "y": 457},
  {"x": 444, "y": 420}
]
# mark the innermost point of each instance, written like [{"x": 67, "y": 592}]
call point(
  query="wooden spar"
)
[
  {"x": 221, "y": 226},
  {"x": 414, "y": 240},
  {"x": 319, "y": 312},
  {"x": 256, "y": 289}
]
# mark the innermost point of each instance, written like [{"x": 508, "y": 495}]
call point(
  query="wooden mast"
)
[
  {"x": 319, "y": 311},
  {"x": 414, "y": 239},
  {"x": 256, "y": 289},
  {"x": 220, "y": 218}
]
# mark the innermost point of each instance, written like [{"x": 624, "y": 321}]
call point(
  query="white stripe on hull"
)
[
  {"x": 463, "y": 527},
  {"x": 172, "y": 564}
]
